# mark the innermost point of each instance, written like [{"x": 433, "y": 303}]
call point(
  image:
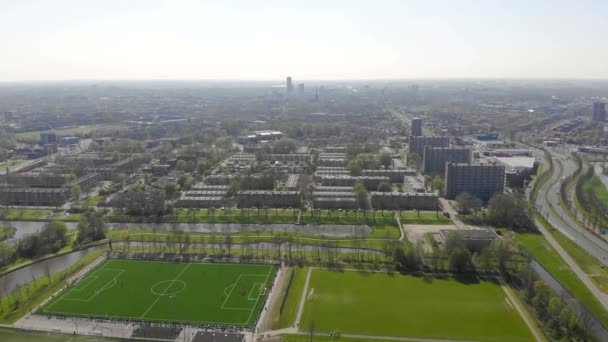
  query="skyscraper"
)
[
  {"x": 599, "y": 112},
  {"x": 289, "y": 84},
  {"x": 416, "y": 127}
]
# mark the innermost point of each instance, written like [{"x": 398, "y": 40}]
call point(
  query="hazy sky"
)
[{"x": 307, "y": 39}]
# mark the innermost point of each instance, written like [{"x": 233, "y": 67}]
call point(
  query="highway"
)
[{"x": 548, "y": 205}]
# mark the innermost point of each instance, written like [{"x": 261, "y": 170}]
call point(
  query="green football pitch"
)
[
  {"x": 197, "y": 293},
  {"x": 381, "y": 304}
]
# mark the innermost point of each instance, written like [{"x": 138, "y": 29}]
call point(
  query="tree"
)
[
  {"x": 453, "y": 241},
  {"x": 384, "y": 159},
  {"x": 361, "y": 195},
  {"x": 414, "y": 161},
  {"x": 511, "y": 211},
  {"x": 438, "y": 185},
  {"x": 285, "y": 146},
  {"x": 354, "y": 166},
  {"x": 541, "y": 298},
  {"x": 91, "y": 227},
  {"x": 385, "y": 186},
  {"x": 460, "y": 259},
  {"x": 75, "y": 192},
  {"x": 170, "y": 189},
  {"x": 406, "y": 258},
  {"x": 466, "y": 202}
]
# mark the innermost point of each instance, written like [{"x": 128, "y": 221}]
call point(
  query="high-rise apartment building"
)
[
  {"x": 480, "y": 180},
  {"x": 599, "y": 112},
  {"x": 435, "y": 158},
  {"x": 417, "y": 144},
  {"x": 289, "y": 84},
  {"x": 416, "y": 127}
]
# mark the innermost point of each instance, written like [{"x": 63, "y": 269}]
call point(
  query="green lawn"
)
[
  {"x": 24, "y": 214},
  {"x": 423, "y": 217},
  {"x": 10, "y": 335},
  {"x": 288, "y": 316},
  {"x": 200, "y": 293},
  {"x": 381, "y": 304}
]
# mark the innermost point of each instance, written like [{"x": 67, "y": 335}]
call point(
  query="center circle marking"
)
[{"x": 168, "y": 287}]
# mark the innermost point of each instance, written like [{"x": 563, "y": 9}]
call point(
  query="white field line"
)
[
  {"x": 78, "y": 288},
  {"x": 170, "y": 284},
  {"x": 256, "y": 301},
  {"x": 253, "y": 288},
  {"x": 229, "y": 293},
  {"x": 104, "y": 287},
  {"x": 234, "y": 286}
]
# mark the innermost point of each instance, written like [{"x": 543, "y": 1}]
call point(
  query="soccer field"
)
[
  {"x": 381, "y": 304},
  {"x": 198, "y": 293}
]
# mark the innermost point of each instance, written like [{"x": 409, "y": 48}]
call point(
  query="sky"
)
[{"x": 307, "y": 39}]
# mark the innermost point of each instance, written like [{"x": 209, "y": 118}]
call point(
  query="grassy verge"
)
[
  {"x": 287, "y": 318},
  {"x": 24, "y": 214},
  {"x": 536, "y": 245},
  {"x": 22, "y": 301},
  {"x": 594, "y": 269}
]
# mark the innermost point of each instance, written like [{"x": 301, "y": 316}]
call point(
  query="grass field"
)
[
  {"x": 199, "y": 293},
  {"x": 381, "y": 304}
]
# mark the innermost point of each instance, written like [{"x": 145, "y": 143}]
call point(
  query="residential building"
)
[
  {"x": 480, "y": 180},
  {"x": 435, "y": 158},
  {"x": 417, "y": 144},
  {"x": 416, "y": 127},
  {"x": 599, "y": 112}
]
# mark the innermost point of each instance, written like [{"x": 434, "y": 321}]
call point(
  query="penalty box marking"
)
[
  {"x": 106, "y": 286},
  {"x": 233, "y": 286}
]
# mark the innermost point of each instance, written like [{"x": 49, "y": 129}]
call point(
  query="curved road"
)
[{"x": 547, "y": 204}]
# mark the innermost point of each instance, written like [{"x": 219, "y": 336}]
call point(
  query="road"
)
[{"x": 547, "y": 204}]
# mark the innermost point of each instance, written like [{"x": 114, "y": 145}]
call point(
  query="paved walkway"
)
[
  {"x": 531, "y": 324},
  {"x": 447, "y": 207}
]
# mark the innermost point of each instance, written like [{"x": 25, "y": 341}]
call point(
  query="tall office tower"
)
[
  {"x": 316, "y": 94},
  {"x": 289, "y": 84},
  {"x": 599, "y": 112},
  {"x": 480, "y": 180},
  {"x": 417, "y": 144},
  {"x": 435, "y": 158},
  {"x": 417, "y": 127},
  {"x": 301, "y": 88}
]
